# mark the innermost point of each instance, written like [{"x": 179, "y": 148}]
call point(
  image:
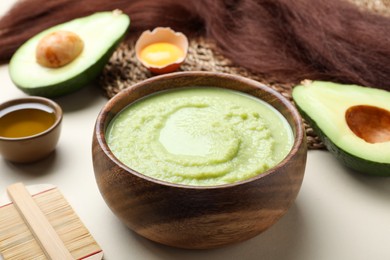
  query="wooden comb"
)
[{"x": 36, "y": 222}]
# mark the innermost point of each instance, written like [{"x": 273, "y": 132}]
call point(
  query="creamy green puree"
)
[{"x": 200, "y": 136}]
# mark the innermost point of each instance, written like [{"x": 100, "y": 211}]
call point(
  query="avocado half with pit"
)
[
  {"x": 352, "y": 121},
  {"x": 100, "y": 33}
]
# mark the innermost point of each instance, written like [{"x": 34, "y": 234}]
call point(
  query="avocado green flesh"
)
[
  {"x": 323, "y": 105},
  {"x": 100, "y": 32}
]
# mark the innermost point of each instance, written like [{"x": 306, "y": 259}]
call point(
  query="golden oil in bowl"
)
[
  {"x": 29, "y": 128},
  {"x": 28, "y": 119}
]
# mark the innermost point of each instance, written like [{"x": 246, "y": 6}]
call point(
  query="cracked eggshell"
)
[{"x": 162, "y": 34}]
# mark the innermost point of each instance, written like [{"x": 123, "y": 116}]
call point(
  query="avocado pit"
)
[
  {"x": 58, "y": 49},
  {"x": 369, "y": 123}
]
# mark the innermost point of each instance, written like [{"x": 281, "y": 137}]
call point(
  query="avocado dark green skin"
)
[
  {"x": 358, "y": 164},
  {"x": 77, "y": 82}
]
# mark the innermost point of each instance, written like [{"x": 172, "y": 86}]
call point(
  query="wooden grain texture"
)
[
  {"x": 190, "y": 216},
  {"x": 38, "y": 224},
  {"x": 18, "y": 242}
]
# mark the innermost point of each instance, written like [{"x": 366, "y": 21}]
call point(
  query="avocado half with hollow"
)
[
  {"x": 100, "y": 33},
  {"x": 352, "y": 121}
]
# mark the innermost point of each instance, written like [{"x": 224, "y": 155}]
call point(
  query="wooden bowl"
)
[
  {"x": 31, "y": 148},
  {"x": 190, "y": 216}
]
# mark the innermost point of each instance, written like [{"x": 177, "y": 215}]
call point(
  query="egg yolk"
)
[{"x": 161, "y": 54}]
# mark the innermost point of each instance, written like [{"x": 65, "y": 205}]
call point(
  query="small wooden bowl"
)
[
  {"x": 190, "y": 216},
  {"x": 34, "y": 147}
]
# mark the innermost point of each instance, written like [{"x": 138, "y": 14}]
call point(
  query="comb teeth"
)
[{"x": 18, "y": 242}]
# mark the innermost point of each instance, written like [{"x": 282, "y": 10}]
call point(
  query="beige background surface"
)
[{"x": 338, "y": 214}]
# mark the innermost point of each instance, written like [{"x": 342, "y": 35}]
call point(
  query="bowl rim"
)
[
  {"x": 34, "y": 99},
  {"x": 99, "y": 130}
]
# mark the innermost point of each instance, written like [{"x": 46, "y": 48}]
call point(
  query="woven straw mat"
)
[{"x": 123, "y": 70}]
